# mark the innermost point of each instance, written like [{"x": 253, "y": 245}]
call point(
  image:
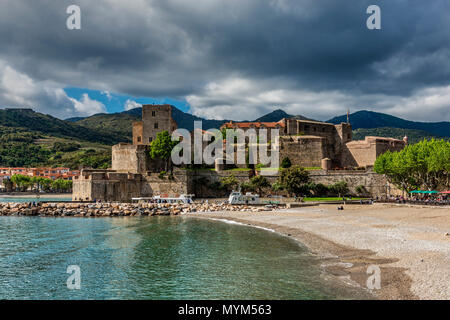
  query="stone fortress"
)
[
  {"x": 305, "y": 142},
  {"x": 318, "y": 144}
]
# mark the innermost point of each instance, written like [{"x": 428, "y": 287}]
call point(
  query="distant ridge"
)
[
  {"x": 370, "y": 119},
  {"x": 29, "y": 120},
  {"x": 121, "y": 121},
  {"x": 277, "y": 115}
]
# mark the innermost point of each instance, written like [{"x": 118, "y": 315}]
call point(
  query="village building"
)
[{"x": 45, "y": 172}]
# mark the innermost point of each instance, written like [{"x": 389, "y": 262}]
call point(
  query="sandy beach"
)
[{"x": 410, "y": 244}]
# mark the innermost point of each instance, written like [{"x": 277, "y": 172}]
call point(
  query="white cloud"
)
[
  {"x": 107, "y": 94},
  {"x": 87, "y": 106},
  {"x": 245, "y": 99},
  {"x": 430, "y": 103},
  {"x": 18, "y": 90},
  {"x": 130, "y": 104}
]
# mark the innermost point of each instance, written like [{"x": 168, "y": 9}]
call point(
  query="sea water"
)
[{"x": 155, "y": 258}]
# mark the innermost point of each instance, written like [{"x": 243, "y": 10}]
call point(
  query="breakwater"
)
[{"x": 61, "y": 209}]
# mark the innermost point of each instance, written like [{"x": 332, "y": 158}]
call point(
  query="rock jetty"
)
[{"x": 61, "y": 209}]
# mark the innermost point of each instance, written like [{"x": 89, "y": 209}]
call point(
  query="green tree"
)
[
  {"x": 229, "y": 183},
  {"x": 294, "y": 179},
  {"x": 22, "y": 182},
  {"x": 45, "y": 183},
  {"x": 247, "y": 187},
  {"x": 286, "y": 163},
  {"x": 259, "y": 183},
  {"x": 319, "y": 189},
  {"x": 277, "y": 186},
  {"x": 339, "y": 188},
  {"x": 61, "y": 185},
  {"x": 423, "y": 165},
  {"x": 161, "y": 148}
]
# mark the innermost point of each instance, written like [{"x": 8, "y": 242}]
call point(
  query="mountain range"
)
[
  {"x": 364, "y": 123},
  {"x": 110, "y": 128}
]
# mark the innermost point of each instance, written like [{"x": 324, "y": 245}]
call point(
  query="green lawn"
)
[
  {"x": 307, "y": 199},
  {"x": 306, "y": 168}
]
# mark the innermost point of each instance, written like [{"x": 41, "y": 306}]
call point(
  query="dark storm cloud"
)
[{"x": 308, "y": 56}]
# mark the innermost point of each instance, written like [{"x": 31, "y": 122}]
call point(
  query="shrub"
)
[
  {"x": 66, "y": 147},
  {"x": 162, "y": 175},
  {"x": 247, "y": 187},
  {"x": 229, "y": 182},
  {"x": 286, "y": 163},
  {"x": 259, "y": 183},
  {"x": 361, "y": 190},
  {"x": 294, "y": 180},
  {"x": 339, "y": 188}
]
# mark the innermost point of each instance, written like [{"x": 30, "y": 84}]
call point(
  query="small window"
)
[
  {"x": 156, "y": 125},
  {"x": 153, "y": 113},
  {"x": 150, "y": 139},
  {"x": 139, "y": 139}
]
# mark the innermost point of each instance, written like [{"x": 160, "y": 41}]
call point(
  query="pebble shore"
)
[{"x": 59, "y": 209}]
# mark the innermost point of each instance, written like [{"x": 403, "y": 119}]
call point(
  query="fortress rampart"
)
[{"x": 306, "y": 143}]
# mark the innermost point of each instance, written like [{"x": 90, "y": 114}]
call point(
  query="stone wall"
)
[
  {"x": 179, "y": 183},
  {"x": 108, "y": 185},
  {"x": 373, "y": 182},
  {"x": 306, "y": 151},
  {"x": 130, "y": 158},
  {"x": 137, "y": 132},
  {"x": 363, "y": 153}
]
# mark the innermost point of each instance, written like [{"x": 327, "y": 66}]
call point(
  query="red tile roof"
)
[{"x": 253, "y": 124}]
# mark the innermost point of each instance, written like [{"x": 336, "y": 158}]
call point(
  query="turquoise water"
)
[
  {"x": 34, "y": 199},
  {"x": 155, "y": 258}
]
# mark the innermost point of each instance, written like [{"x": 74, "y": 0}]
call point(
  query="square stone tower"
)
[{"x": 155, "y": 118}]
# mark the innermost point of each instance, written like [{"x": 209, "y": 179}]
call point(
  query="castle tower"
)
[{"x": 155, "y": 118}]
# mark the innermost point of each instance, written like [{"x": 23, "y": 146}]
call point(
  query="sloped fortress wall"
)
[
  {"x": 305, "y": 151},
  {"x": 130, "y": 158},
  {"x": 106, "y": 185},
  {"x": 362, "y": 153}
]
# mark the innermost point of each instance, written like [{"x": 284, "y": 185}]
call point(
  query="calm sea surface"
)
[
  {"x": 34, "y": 199},
  {"x": 155, "y": 258}
]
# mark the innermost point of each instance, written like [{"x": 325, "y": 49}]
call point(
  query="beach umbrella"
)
[
  {"x": 416, "y": 191},
  {"x": 445, "y": 192},
  {"x": 431, "y": 192}
]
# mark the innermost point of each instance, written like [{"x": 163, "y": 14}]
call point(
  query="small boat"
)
[
  {"x": 184, "y": 198},
  {"x": 236, "y": 197}
]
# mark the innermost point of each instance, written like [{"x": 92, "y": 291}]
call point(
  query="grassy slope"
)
[
  {"x": 27, "y": 138},
  {"x": 26, "y": 119}
]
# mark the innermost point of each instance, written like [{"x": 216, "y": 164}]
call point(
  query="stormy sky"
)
[{"x": 232, "y": 59}]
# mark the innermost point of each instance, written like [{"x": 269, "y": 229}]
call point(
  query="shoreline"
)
[
  {"x": 402, "y": 269},
  {"x": 346, "y": 266}
]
